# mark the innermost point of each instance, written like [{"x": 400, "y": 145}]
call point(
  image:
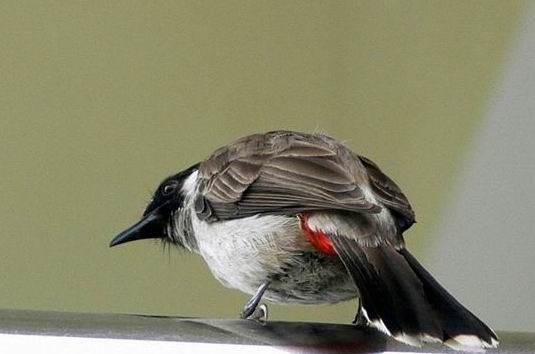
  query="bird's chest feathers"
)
[{"x": 240, "y": 252}]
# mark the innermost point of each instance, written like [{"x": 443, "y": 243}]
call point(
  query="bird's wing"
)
[
  {"x": 279, "y": 173},
  {"x": 389, "y": 194}
]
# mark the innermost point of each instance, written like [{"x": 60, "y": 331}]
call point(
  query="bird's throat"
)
[{"x": 319, "y": 240}]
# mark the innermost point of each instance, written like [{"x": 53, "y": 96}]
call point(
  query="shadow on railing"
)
[{"x": 63, "y": 332}]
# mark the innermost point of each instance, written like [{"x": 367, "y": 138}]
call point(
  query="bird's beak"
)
[{"x": 148, "y": 227}]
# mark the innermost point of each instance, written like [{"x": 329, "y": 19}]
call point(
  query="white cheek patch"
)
[{"x": 188, "y": 187}]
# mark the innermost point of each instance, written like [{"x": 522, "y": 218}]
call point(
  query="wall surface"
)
[
  {"x": 101, "y": 100},
  {"x": 486, "y": 237}
]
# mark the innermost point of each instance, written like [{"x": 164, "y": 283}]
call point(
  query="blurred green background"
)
[{"x": 100, "y": 100}]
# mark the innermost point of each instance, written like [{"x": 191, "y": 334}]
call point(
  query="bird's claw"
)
[
  {"x": 360, "y": 320},
  {"x": 259, "y": 314}
]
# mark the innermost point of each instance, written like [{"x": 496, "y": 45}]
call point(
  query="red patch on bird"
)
[{"x": 317, "y": 238}]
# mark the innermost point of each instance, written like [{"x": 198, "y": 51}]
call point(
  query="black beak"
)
[{"x": 148, "y": 227}]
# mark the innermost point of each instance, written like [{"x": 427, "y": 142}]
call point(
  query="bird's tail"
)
[{"x": 400, "y": 298}]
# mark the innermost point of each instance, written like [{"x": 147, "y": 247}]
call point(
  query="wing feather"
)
[
  {"x": 388, "y": 193},
  {"x": 280, "y": 172}
]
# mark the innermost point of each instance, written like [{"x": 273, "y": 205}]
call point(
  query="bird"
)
[{"x": 292, "y": 217}]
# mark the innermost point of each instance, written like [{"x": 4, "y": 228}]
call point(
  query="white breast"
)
[{"x": 242, "y": 253}]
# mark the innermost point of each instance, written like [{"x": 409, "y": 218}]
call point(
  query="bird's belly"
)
[
  {"x": 244, "y": 253},
  {"x": 312, "y": 278}
]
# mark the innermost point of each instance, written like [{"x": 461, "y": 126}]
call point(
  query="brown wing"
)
[
  {"x": 388, "y": 193},
  {"x": 280, "y": 173}
]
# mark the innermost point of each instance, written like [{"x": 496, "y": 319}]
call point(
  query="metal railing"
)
[{"x": 63, "y": 332}]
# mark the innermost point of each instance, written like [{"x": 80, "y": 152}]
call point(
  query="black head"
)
[{"x": 157, "y": 217}]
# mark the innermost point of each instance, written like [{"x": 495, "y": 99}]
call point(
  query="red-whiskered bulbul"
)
[{"x": 299, "y": 218}]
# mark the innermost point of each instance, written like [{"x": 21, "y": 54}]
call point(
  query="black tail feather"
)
[
  {"x": 399, "y": 297},
  {"x": 456, "y": 320}
]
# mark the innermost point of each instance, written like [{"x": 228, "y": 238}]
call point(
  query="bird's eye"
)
[{"x": 169, "y": 188}]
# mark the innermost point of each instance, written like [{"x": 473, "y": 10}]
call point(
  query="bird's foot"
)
[
  {"x": 251, "y": 310},
  {"x": 259, "y": 314},
  {"x": 360, "y": 320}
]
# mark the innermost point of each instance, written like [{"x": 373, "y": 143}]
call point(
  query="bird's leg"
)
[
  {"x": 250, "y": 308},
  {"x": 360, "y": 319}
]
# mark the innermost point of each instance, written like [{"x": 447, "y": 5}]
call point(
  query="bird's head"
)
[{"x": 158, "y": 220}]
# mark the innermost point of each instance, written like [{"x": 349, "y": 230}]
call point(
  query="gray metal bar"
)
[{"x": 19, "y": 328}]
